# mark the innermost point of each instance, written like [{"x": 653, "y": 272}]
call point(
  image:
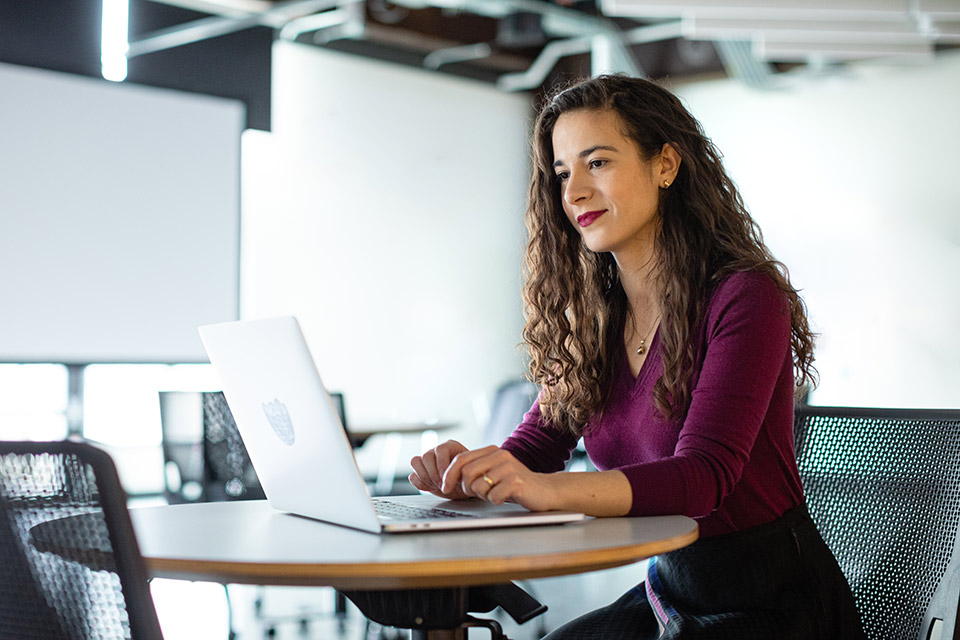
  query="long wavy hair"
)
[{"x": 574, "y": 304}]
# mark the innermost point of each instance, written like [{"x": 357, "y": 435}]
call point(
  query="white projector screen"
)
[{"x": 119, "y": 219}]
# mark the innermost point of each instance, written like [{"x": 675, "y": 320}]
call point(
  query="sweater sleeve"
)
[
  {"x": 544, "y": 449},
  {"x": 747, "y": 338}
]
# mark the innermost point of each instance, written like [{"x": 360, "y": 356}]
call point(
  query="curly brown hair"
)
[{"x": 574, "y": 304}]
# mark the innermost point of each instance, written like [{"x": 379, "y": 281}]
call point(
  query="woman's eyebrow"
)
[{"x": 586, "y": 152}]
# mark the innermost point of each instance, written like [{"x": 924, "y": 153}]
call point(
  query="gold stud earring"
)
[{"x": 666, "y": 183}]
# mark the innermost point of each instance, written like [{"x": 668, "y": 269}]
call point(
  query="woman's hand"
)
[
  {"x": 452, "y": 471},
  {"x": 429, "y": 467},
  {"x": 496, "y": 476}
]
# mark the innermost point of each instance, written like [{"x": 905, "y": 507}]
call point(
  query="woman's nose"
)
[{"x": 576, "y": 189}]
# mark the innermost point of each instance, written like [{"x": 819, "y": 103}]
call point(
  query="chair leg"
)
[
  {"x": 231, "y": 632},
  {"x": 340, "y": 611},
  {"x": 460, "y": 633},
  {"x": 496, "y": 631}
]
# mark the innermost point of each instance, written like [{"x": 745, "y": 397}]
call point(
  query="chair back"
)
[
  {"x": 883, "y": 486},
  {"x": 181, "y": 426},
  {"x": 511, "y": 401},
  {"x": 204, "y": 458},
  {"x": 70, "y": 567},
  {"x": 229, "y": 472}
]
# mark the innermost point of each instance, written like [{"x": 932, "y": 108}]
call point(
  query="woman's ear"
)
[{"x": 669, "y": 161}]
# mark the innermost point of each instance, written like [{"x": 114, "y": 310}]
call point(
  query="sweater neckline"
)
[{"x": 653, "y": 353}]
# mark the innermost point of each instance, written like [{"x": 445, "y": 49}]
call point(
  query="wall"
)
[
  {"x": 853, "y": 178},
  {"x": 385, "y": 211}
]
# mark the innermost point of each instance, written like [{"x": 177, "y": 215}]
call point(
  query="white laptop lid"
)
[{"x": 288, "y": 421}]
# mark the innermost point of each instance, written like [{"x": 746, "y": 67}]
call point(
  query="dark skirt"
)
[{"x": 778, "y": 580}]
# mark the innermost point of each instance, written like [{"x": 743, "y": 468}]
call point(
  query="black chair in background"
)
[
  {"x": 204, "y": 457},
  {"x": 511, "y": 401},
  {"x": 883, "y": 486},
  {"x": 101, "y": 591},
  {"x": 229, "y": 472}
]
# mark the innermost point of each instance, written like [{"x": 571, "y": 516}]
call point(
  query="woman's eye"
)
[
  {"x": 563, "y": 175},
  {"x": 596, "y": 164}
]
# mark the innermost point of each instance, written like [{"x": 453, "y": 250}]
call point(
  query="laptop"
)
[{"x": 300, "y": 450}]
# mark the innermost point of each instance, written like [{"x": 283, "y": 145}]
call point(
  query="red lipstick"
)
[{"x": 586, "y": 219}]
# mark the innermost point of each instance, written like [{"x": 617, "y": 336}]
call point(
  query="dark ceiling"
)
[
  {"x": 224, "y": 46},
  {"x": 64, "y": 35}
]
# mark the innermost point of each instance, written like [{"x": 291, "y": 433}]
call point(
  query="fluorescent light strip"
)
[
  {"x": 837, "y": 52},
  {"x": 113, "y": 40},
  {"x": 789, "y": 9},
  {"x": 699, "y": 28}
]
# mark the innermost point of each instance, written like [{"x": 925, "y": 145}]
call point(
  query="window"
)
[
  {"x": 121, "y": 403},
  {"x": 122, "y": 414},
  {"x": 33, "y": 401}
]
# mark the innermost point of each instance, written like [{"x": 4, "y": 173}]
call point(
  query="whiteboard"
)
[{"x": 119, "y": 219}]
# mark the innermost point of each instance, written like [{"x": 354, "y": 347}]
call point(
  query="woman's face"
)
[{"x": 610, "y": 193}]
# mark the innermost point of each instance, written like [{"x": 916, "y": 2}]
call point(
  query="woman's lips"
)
[{"x": 586, "y": 219}]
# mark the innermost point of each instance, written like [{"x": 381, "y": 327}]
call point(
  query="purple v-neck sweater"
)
[{"x": 730, "y": 463}]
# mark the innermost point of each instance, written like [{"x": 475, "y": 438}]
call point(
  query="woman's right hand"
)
[{"x": 429, "y": 467}]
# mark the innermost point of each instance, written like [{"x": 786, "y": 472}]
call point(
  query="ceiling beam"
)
[
  {"x": 197, "y": 30},
  {"x": 538, "y": 71},
  {"x": 228, "y": 8}
]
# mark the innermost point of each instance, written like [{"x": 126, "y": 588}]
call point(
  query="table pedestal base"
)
[
  {"x": 460, "y": 633},
  {"x": 444, "y": 614}
]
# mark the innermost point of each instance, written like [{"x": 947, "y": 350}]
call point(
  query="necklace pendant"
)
[{"x": 641, "y": 349}]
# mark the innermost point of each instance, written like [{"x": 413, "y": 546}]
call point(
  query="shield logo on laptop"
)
[{"x": 279, "y": 419}]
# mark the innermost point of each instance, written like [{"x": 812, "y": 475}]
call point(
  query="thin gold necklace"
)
[{"x": 642, "y": 349}]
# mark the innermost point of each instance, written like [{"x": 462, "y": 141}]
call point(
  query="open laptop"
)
[{"x": 300, "y": 451}]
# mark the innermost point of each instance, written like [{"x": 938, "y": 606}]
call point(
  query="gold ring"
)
[{"x": 487, "y": 479}]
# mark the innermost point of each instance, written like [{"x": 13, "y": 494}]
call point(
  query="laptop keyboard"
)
[{"x": 400, "y": 511}]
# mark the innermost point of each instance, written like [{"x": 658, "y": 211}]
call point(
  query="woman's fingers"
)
[
  {"x": 450, "y": 470},
  {"x": 501, "y": 491},
  {"x": 417, "y": 482},
  {"x": 429, "y": 468},
  {"x": 490, "y": 473},
  {"x": 446, "y": 453},
  {"x": 425, "y": 479},
  {"x": 432, "y": 467},
  {"x": 453, "y": 474}
]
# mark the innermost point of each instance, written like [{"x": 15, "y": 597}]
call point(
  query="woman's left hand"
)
[{"x": 496, "y": 476}]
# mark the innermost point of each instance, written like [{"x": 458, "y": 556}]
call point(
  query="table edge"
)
[{"x": 416, "y": 574}]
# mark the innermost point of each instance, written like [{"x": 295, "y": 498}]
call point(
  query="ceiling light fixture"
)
[{"x": 113, "y": 40}]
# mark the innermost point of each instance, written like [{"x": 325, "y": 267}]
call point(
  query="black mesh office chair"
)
[
  {"x": 70, "y": 567},
  {"x": 883, "y": 486}
]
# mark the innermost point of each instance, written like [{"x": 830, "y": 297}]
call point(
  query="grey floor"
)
[{"x": 195, "y": 611}]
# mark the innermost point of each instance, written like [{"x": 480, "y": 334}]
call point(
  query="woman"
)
[{"x": 663, "y": 333}]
